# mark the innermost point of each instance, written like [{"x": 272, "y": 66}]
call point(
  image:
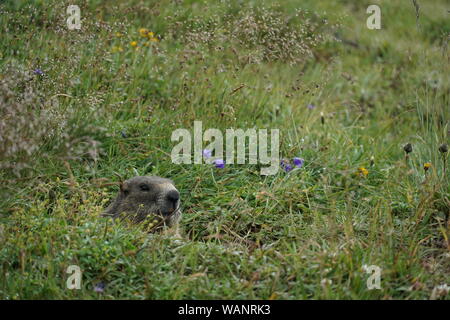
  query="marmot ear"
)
[{"x": 124, "y": 188}]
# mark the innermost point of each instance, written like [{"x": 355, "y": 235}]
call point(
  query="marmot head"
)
[{"x": 142, "y": 196}]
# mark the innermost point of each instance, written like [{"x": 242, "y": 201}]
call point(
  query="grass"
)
[{"x": 103, "y": 110}]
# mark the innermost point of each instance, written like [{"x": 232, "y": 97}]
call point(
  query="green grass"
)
[{"x": 306, "y": 234}]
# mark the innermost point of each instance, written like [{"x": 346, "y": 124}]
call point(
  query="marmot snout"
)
[{"x": 142, "y": 197}]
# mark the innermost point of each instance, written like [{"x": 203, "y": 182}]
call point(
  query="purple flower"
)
[
  {"x": 207, "y": 153},
  {"x": 219, "y": 163},
  {"x": 39, "y": 72},
  {"x": 298, "y": 162},
  {"x": 285, "y": 165},
  {"x": 99, "y": 287},
  {"x": 310, "y": 106}
]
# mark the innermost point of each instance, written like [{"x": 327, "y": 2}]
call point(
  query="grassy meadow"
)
[{"x": 81, "y": 110}]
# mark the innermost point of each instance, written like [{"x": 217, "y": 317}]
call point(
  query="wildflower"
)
[
  {"x": 407, "y": 148},
  {"x": 99, "y": 287},
  {"x": 143, "y": 32},
  {"x": 207, "y": 153},
  {"x": 285, "y": 165},
  {"x": 326, "y": 282},
  {"x": 426, "y": 166},
  {"x": 363, "y": 171},
  {"x": 443, "y": 148},
  {"x": 298, "y": 162},
  {"x": 39, "y": 72},
  {"x": 310, "y": 106},
  {"x": 150, "y": 34},
  {"x": 219, "y": 163},
  {"x": 134, "y": 44},
  {"x": 116, "y": 49},
  {"x": 153, "y": 223},
  {"x": 154, "y": 39}
]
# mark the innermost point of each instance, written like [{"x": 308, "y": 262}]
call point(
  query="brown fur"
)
[{"x": 147, "y": 198}]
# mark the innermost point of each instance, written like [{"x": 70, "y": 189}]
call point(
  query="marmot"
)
[{"x": 147, "y": 198}]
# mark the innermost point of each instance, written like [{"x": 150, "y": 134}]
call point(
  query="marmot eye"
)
[{"x": 144, "y": 187}]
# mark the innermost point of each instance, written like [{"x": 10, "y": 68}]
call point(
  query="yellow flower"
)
[
  {"x": 116, "y": 49},
  {"x": 143, "y": 32},
  {"x": 134, "y": 44},
  {"x": 363, "y": 171},
  {"x": 154, "y": 39},
  {"x": 426, "y": 166},
  {"x": 150, "y": 34},
  {"x": 118, "y": 34}
]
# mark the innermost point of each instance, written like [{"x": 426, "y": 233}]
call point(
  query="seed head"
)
[
  {"x": 443, "y": 148},
  {"x": 407, "y": 148}
]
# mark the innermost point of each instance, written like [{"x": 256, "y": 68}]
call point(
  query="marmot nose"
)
[{"x": 173, "y": 196}]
